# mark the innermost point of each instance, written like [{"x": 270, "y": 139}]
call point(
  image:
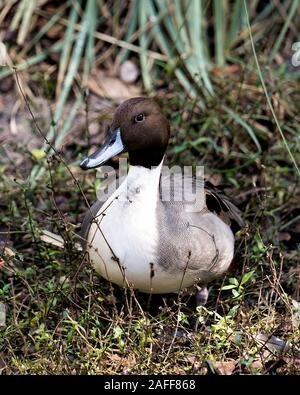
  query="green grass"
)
[{"x": 242, "y": 123}]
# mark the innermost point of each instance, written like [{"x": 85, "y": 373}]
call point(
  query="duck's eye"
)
[{"x": 139, "y": 118}]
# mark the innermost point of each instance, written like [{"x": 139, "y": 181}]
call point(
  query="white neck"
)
[{"x": 143, "y": 183}]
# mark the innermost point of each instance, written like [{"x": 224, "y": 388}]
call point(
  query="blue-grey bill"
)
[{"x": 111, "y": 147}]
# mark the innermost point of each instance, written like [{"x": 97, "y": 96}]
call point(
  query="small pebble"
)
[{"x": 129, "y": 72}]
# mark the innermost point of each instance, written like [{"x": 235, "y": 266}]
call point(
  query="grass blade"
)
[
  {"x": 133, "y": 21},
  {"x": 291, "y": 14},
  {"x": 26, "y": 20},
  {"x": 18, "y": 15},
  {"x": 237, "y": 22},
  {"x": 166, "y": 49},
  {"x": 144, "y": 42},
  {"x": 73, "y": 67},
  {"x": 245, "y": 125},
  {"x": 195, "y": 18},
  {"x": 38, "y": 171},
  {"x": 267, "y": 94},
  {"x": 32, "y": 61},
  {"x": 52, "y": 21},
  {"x": 219, "y": 27},
  {"x": 65, "y": 55}
]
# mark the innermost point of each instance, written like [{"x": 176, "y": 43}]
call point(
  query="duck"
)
[{"x": 136, "y": 237}]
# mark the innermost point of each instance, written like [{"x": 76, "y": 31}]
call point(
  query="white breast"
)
[{"x": 125, "y": 236}]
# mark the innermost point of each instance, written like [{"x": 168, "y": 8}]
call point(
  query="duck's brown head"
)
[{"x": 138, "y": 127}]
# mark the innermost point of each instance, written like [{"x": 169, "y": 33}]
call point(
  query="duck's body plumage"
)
[{"x": 137, "y": 238}]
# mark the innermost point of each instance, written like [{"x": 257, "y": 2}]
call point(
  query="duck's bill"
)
[{"x": 111, "y": 147}]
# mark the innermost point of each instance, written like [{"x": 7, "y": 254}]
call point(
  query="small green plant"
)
[{"x": 238, "y": 287}]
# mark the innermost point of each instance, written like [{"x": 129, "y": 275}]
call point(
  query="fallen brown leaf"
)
[
  {"x": 104, "y": 85},
  {"x": 7, "y": 252},
  {"x": 126, "y": 363},
  {"x": 228, "y": 70},
  {"x": 55, "y": 31},
  {"x": 284, "y": 236},
  {"x": 225, "y": 367}
]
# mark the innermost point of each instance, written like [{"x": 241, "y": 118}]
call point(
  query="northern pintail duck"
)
[{"x": 136, "y": 238}]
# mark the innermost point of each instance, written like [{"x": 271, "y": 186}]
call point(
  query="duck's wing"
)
[
  {"x": 173, "y": 188},
  {"x": 176, "y": 187},
  {"x": 217, "y": 202}
]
